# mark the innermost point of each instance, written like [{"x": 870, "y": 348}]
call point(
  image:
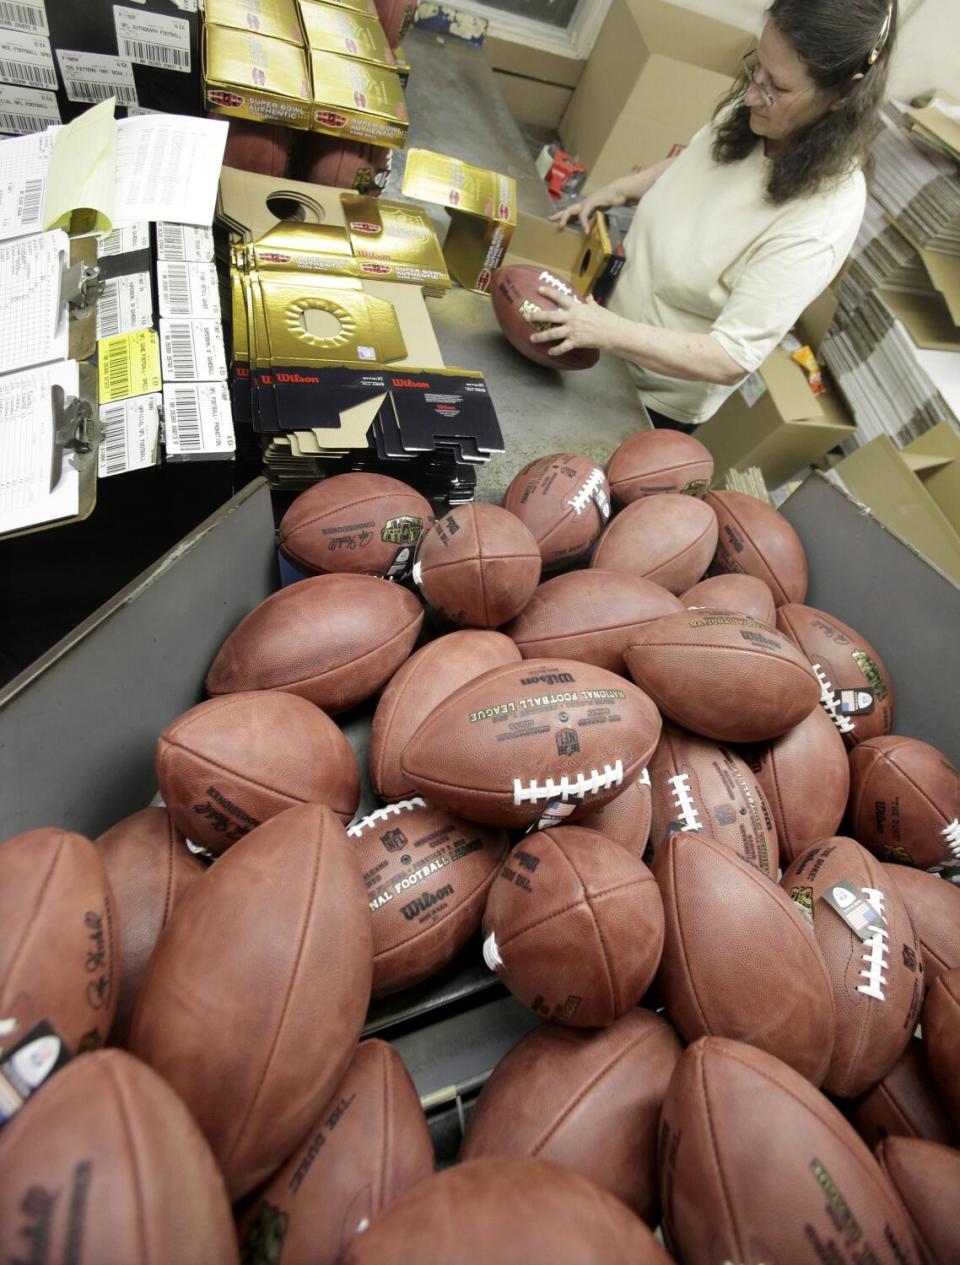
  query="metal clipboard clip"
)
[
  {"x": 81, "y": 286},
  {"x": 75, "y": 428}
]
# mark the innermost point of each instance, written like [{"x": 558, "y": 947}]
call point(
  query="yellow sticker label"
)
[{"x": 129, "y": 364}]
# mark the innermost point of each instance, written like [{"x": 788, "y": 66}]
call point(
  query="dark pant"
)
[{"x": 667, "y": 423}]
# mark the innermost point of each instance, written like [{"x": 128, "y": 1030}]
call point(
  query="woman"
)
[{"x": 735, "y": 236}]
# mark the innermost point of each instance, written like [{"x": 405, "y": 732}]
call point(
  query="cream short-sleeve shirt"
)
[{"x": 709, "y": 253}]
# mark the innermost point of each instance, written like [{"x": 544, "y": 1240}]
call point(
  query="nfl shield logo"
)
[
  {"x": 394, "y": 840},
  {"x": 568, "y": 743}
]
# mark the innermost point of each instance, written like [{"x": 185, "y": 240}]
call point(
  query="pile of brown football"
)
[{"x": 676, "y": 812}]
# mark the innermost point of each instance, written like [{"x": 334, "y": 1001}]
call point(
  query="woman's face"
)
[{"x": 798, "y": 105}]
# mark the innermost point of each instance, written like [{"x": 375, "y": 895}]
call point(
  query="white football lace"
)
[
  {"x": 875, "y": 952},
  {"x": 417, "y": 573},
  {"x": 644, "y": 778},
  {"x": 566, "y": 788},
  {"x": 382, "y": 814},
  {"x": 828, "y": 702},
  {"x": 952, "y": 835},
  {"x": 689, "y": 816},
  {"x": 491, "y": 952},
  {"x": 584, "y": 494}
]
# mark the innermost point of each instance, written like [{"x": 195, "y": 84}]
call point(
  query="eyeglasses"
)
[{"x": 752, "y": 66}]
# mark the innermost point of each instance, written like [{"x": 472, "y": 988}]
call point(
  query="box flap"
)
[
  {"x": 941, "y": 447},
  {"x": 789, "y": 388},
  {"x": 692, "y": 37},
  {"x": 925, "y": 318},
  {"x": 459, "y": 186},
  {"x": 941, "y": 118}
]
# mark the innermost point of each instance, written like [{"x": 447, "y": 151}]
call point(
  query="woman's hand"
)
[
  {"x": 585, "y": 211},
  {"x": 573, "y": 324}
]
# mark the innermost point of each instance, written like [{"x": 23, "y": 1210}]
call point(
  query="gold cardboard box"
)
[
  {"x": 365, "y": 7},
  {"x": 357, "y": 102},
  {"x": 486, "y": 230},
  {"x": 277, "y": 19},
  {"x": 403, "y": 66},
  {"x": 250, "y": 76},
  {"x": 331, "y": 30}
]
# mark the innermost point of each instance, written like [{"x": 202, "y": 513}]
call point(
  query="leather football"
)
[
  {"x": 93, "y": 1165},
  {"x": 364, "y": 523},
  {"x": 806, "y": 779},
  {"x": 339, "y": 164},
  {"x": 739, "y": 959},
  {"x": 574, "y": 927},
  {"x": 933, "y": 904},
  {"x": 657, "y": 461},
  {"x": 258, "y": 147},
  {"x": 723, "y": 675},
  {"x": 565, "y": 501},
  {"x": 905, "y": 801},
  {"x": 756, "y": 1165},
  {"x": 587, "y": 1099},
  {"x": 941, "y": 1038},
  {"x": 590, "y": 616},
  {"x": 877, "y": 978},
  {"x": 429, "y": 676},
  {"x": 742, "y": 593},
  {"x": 231, "y": 763},
  {"x": 427, "y": 874},
  {"x": 257, "y": 991},
  {"x": 478, "y": 566},
  {"x": 332, "y": 639},
  {"x": 532, "y": 739},
  {"x": 59, "y": 950},
  {"x": 367, "y": 1147},
  {"x": 698, "y": 786},
  {"x": 755, "y": 539},
  {"x": 150, "y": 867},
  {"x": 626, "y": 819},
  {"x": 667, "y": 539},
  {"x": 905, "y": 1104},
  {"x": 926, "y": 1177},
  {"x": 517, "y": 303},
  {"x": 842, "y": 660},
  {"x": 507, "y": 1212}
]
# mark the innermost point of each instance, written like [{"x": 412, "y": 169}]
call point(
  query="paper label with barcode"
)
[
  {"x": 192, "y": 351},
  {"x": 188, "y": 289},
  {"x": 752, "y": 389},
  {"x": 131, "y": 435},
  {"x": 24, "y": 15},
  {"x": 187, "y": 242},
  {"x": 27, "y": 109},
  {"x": 27, "y": 59},
  {"x": 96, "y": 76},
  {"x": 125, "y": 304},
  {"x": 21, "y": 188},
  {"x": 128, "y": 365},
  {"x": 197, "y": 420},
  {"x": 123, "y": 240},
  {"x": 152, "y": 40}
]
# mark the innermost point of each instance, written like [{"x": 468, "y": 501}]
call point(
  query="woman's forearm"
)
[
  {"x": 633, "y": 186},
  {"x": 691, "y": 357}
]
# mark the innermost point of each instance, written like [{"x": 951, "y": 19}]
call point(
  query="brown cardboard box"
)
[
  {"x": 775, "y": 421},
  {"x": 532, "y": 101},
  {"x": 654, "y": 77},
  {"x": 899, "y": 486},
  {"x": 537, "y": 86}
]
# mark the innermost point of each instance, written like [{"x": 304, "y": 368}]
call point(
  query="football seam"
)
[
  {"x": 31, "y": 922},
  {"x": 482, "y": 577},
  {"x": 611, "y": 1064},
  {"x": 558, "y": 913},
  {"x": 347, "y": 665},
  {"x": 384, "y": 1195},
  {"x": 168, "y": 894},
  {"x": 127, "y": 1127},
  {"x": 666, "y": 562},
  {"x": 238, "y": 1137},
  {"x": 683, "y": 948},
  {"x": 592, "y": 632},
  {"x": 588, "y": 899},
  {"x": 628, "y": 480},
  {"x": 682, "y": 555},
  {"x": 894, "y": 1106},
  {"x": 242, "y": 777},
  {"x": 868, "y": 1165},
  {"x": 495, "y": 557},
  {"x": 758, "y": 553},
  {"x": 715, "y": 1156},
  {"x": 914, "y": 1225}
]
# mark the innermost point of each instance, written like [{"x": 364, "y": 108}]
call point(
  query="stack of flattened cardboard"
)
[
  {"x": 894, "y": 346},
  {"x": 335, "y": 365}
]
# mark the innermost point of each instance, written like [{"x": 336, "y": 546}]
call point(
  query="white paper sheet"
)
[
  {"x": 26, "y": 449},
  {"x": 168, "y": 168},
  {"x": 23, "y": 176},
  {"x": 33, "y": 320}
]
